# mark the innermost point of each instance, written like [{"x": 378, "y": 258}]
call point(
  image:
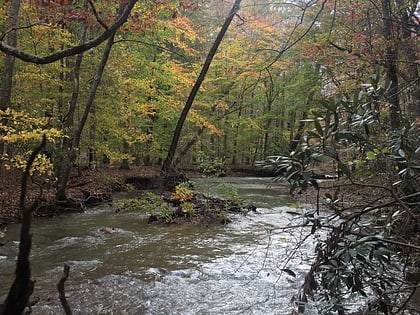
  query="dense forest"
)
[
  {"x": 299, "y": 88},
  {"x": 282, "y": 67}
]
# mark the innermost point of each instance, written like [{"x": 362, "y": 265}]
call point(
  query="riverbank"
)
[
  {"x": 85, "y": 187},
  {"x": 88, "y": 187},
  {"x": 91, "y": 187}
]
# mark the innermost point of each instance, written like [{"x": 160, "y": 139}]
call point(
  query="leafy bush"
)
[
  {"x": 366, "y": 242},
  {"x": 22, "y": 130},
  {"x": 188, "y": 208},
  {"x": 151, "y": 204},
  {"x": 208, "y": 166},
  {"x": 183, "y": 192}
]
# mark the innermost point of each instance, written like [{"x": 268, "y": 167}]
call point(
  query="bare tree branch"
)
[
  {"x": 71, "y": 51},
  {"x": 289, "y": 44},
  {"x": 98, "y": 18}
]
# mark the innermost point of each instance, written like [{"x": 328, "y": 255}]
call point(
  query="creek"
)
[{"x": 133, "y": 267}]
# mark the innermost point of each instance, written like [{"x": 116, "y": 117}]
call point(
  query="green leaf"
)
[
  {"x": 370, "y": 155},
  {"x": 331, "y": 151},
  {"x": 343, "y": 167},
  {"x": 331, "y": 106},
  {"x": 315, "y": 184},
  {"x": 318, "y": 128}
]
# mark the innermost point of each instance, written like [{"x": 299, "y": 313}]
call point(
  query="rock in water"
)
[{"x": 107, "y": 230}]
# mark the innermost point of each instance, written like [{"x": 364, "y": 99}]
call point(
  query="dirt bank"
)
[{"x": 86, "y": 186}]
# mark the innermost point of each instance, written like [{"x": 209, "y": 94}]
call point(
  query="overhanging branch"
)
[{"x": 24, "y": 56}]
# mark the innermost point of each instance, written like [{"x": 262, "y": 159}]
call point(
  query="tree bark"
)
[
  {"x": 391, "y": 65},
  {"x": 410, "y": 52},
  {"x": 270, "y": 95},
  {"x": 70, "y": 152},
  {"x": 23, "y": 286},
  {"x": 62, "y": 158},
  {"x": 190, "y": 144},
  {"x": 168, "y": 166},
  {"x": 9, "y": 63},
  {"x": 61, "y": 290},
  {"x": 299, "y": 133},
  {"x": 65, "y": 172}
]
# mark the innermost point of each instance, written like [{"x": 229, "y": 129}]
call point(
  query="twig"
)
[
  {"x": 14, "y": 29},
  {"x": 368, "y": 209},
  {"x": 402, "y": 204},
  {"x": 97, "y": 17},
  {"x": 385, "y": 240}
]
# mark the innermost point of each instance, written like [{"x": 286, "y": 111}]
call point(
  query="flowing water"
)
[{"x": 132, "y": 267}]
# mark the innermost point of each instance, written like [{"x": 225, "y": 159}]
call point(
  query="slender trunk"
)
[
  {"x": 168, "y": 165},
  {"x": 295, "y": 140},
  {"x": 265, "y": 142},
  {"x": 93, "y": 90},
  {"x": 190, "y": 144},
  {"x": 391, "y": 66},
  {"x": 92, "y": 141},
  {"x": 61, "y": 195},
  {"x": 299, "y": 133},
  {"x": 125, "y": 165},
  {"x": 266, "y": 136},
  {"x": 9, "y": 62},
  {"x": 23, "y": 286},
  {"x": 62, "y": 160},
  {"x": 63, "y": 78},
  {"x": 235, "y": 139},
  {"x": 410, "y": 52},
  {"x": 271, "y": 94}
]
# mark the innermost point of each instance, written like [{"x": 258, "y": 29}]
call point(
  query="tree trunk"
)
[
  {"x": 23, "y": 286},
  {"x": 235, "y": 157},
  {"x": 9, "y": 62},
  {"x": 190, "y": 144},
  {"x": 391, "y": 66},
  {"x": 125, "y": 165},
  {"x": 62, "y": 158},
  {"x": 168, "y": 167},
  {"x": 66, "y": 167},
  {"x": 92, "y": 141},
  {"x": 270, "y": 95},
  {"x": 299, "y": 133},
  {"x": 295, "y": 140},
  {"x": 410, "y": 52}
]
